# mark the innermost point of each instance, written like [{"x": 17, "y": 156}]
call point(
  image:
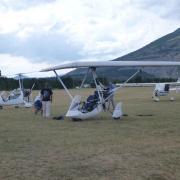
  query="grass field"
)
[{"x": 145, "y": 145}]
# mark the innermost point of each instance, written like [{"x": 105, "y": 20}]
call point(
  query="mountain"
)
[{"x": 166, "y": 48}]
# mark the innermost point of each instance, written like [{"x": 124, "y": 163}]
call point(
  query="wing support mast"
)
[
  {"x": 93, "y": 70},
  {"x": 85, "y": 77},
  {"x": 124, "y": 83},
  {"x": 129, "y": 79},
  {"x": 20, "y": 82},
  {"x": 64, "y": 86}
]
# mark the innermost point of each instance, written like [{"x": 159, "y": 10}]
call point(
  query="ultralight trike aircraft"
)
[
  {"x": 160, "y": 89},
  {"x": 17, "y": 97},
  {"x": 165, "y": 89},
  {"x": 80, "y": 110}
]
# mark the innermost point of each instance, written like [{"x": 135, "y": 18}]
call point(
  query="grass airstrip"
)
[{"x": 144, "y": 145}]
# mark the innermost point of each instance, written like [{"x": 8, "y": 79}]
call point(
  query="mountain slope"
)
[{"x": 166, "y": 48}]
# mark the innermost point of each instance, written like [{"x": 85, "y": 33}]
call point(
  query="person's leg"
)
[
  {"x": 44, "y": 108},
  {"x": 112, "y": 102},
  {"x": 48, "y": 109},
  {"x": 109, "y": 102}
]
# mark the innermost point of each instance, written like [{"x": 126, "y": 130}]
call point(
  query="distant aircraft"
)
[
  {"x": 81, "y": 110},
  {"x": 164, "y": 89},
  {"x": 17, "y": 97},
  {"x": 160, "y": 89}
]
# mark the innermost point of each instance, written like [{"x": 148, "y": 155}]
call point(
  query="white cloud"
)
[
  {"x": 100, "y": 29},
  {"x": 11, "y": 65}
]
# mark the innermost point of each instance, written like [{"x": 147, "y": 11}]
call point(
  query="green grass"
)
[{"x": 134, "y": 148}]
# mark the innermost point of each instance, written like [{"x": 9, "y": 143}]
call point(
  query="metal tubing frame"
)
[
  {"x": 124, "y": 83},
  {"x": 64, "y": 86},
  {"x": 20, "y": 82},
  {"x": 85, "y": 77},
  {"x": 93, "y": 71}
]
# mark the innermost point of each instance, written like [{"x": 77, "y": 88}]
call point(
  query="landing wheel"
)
[
  {"x": 156, "y": 99},
  {"x": 1, "y": 107}
]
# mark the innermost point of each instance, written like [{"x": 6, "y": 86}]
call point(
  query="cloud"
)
[
  {"x": 56, "y": 31},
  {"x": 163, "y": 8},
  {"x": 12, "y": 65},
  {"x": 40, "y": 46},
  {"x": 22, "y": 4}
]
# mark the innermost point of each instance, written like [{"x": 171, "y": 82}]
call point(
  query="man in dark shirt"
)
[{"x": 46, "y": 96}]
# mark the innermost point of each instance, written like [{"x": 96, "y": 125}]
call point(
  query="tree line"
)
[
  {"x": 10, "y": 83},
  {"x": 70, "y": 82}
]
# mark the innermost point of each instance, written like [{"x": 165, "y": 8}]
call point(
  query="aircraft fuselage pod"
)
[
  {"x": 12, "y": 99},
  {"x": 76, "y": 111},
  {"x": 161, "y": 89},
  {"x": 17, "y": 97}
]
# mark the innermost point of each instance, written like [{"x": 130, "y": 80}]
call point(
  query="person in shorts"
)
[{"x": 46, "y": 96}]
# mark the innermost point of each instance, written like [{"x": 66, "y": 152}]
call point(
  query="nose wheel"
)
[
  {"x": 117, "y": 113},
  {"x": 156, "y": 99}
]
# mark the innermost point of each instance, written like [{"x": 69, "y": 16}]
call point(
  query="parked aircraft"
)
[
  {"x": 165, "y": 89},
  {"x": 160, "y": 89},
  {"x": 78, "y": 109},
  {"x": 17, "y": 97}
]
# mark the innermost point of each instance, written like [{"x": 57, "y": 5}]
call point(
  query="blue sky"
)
[{"x": 43, "y": 33}]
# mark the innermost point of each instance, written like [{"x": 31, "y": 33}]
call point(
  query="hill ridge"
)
[{"x": 166, "y": 48}]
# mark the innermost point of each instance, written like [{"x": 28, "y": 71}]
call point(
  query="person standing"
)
[
  {"x": 111, "y": 101},
  {"x": 46, "y": 96}
]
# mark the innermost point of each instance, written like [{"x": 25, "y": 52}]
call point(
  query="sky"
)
[{"x": 44, "y": 33}]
